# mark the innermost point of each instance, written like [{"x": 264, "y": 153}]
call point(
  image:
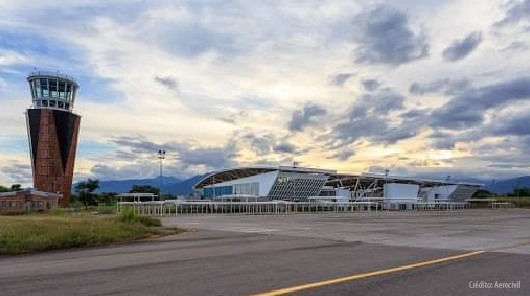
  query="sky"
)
[{"x": 421, "y": 87}]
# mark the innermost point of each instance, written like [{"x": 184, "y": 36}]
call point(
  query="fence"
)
[{"x": 174, "y": 207}]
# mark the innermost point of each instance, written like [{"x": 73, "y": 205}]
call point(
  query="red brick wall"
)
[{"x": 49, "y": 173}]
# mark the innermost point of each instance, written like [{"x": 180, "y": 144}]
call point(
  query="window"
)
[
  {"x": 67, "y": 106},
  {"x": 38, "y": 90},
  {"x": 39, "y": 103},
  {"x": 52, "y": 104},
  {"x": 44, "y": 87},
  {"x": 44, "y": 103},
  {"x": 62, "y": 89},
  {"x": 67, "y": 91},
  {"x": 61, "y": 105},
  {"x": 53, "y": 87}
]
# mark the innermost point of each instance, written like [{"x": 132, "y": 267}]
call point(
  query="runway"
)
[{"x": 330, "y": 254}]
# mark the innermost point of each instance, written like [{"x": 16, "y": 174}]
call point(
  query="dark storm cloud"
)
[
  {"x": 371, "y": 84},
  {"x": 517, "y": 11},
  {"x": 167, "y": 81},
  {"x": 285, "y": 147},
  {"x": 467, "y": 109},
  {"x": 446, "y": 85},
  {"x": 459, "y": 49},
  {"x": 340, "y": 78},
  {"x": 300, "y": 119},
  {"x": 385, "y": 36}
]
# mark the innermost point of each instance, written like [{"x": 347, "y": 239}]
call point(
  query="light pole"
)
[
  {"x": 517, "y": 190},
  {"x": 385, "y": 188},
  {"x": 161, "y": 156}
]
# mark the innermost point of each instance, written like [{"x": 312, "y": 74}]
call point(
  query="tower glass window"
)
[
  {"x": 52, "y": 84},
  {"x": 44, "y": 87},
  {"x": 62, "y": 89}
]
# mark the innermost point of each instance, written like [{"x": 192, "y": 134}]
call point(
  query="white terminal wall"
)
[
  {"x": 442, "y": 192},
  {"x": 401, "y": 192},
  {"x": 343, "y": 194},
  {"x": 265, "y": 182}
]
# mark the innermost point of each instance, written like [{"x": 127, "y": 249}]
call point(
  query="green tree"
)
[
  {"x": 4, "y": 189},
  {"x": 520, "y": 191},
  {"x": 107, "y": 198},
  {"x": 483, "y": 193},
  {"x": 85, "y": 189},
  {"x": 144, "y": 189},
  {"x": 16, "y": 187}
]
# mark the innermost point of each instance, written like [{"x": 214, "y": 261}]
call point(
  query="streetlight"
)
[
  {"x": 161, "y": 156},
  {"x": 385, "y": 188}
]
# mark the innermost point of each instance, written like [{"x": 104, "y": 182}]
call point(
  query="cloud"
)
[
  {"x": 18, "y": 172},
  {"x": 260, "y": 144},
  {"x": 467, "y": 109},
  {"x": 371, "y": 84},
  {"x": 516, "y": 124},
  {"x": 517, "y": 11},
  {"x": 167, "y": 81},
  {"x": 516, "y": 46},
  {"x": 181, "y": 155},
  {"x": 340, "y": 78},
  {"x": 415, "y": 114},
  {"x": 343, "y": 154},
  {"x": 285, "y": 147},
  {"x": 378, "y": 103},
  {"x": 10, "y": 57},
  {"x": 448, "y": 86},
  {"x": 385, "y": 36},
  {"x": 459, "y": 49},
  {"x": 301, "y": 119}
]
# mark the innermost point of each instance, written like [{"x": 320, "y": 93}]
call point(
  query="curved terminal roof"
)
[
  {"x": 335, "y": 179},
  {"x": 233, "y": 174},
  {"x": 244, "y": 172},
  {"x": 350, "y": 180}
]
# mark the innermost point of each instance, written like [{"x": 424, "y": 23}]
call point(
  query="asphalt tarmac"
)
[{"x": 395, "y": 253}]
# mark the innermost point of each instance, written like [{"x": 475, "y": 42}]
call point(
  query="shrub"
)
[{"x": 128, "y": 215}]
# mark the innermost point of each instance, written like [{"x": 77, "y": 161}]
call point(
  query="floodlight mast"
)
[{"x": 161, "y": 157}]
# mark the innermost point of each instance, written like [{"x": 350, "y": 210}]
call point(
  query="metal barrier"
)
[
  {"x": 170, "y": 208},
  {"x": 175, "y": 207}
]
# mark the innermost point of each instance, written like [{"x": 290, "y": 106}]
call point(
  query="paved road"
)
[{"x": 261, "y": 256}]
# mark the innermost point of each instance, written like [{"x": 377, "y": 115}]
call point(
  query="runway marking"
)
[{"x": 294, "y": 289}]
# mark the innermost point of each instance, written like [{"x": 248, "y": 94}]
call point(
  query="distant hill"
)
[
  {"x": 121, "y": 186},
  {"x": 172, "y": 185},
  {"x": 183, "y": 187},
  {"x": 509, "y": 185}
]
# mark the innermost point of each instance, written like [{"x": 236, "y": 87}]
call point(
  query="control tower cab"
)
[{"x": 52, "y": 90}]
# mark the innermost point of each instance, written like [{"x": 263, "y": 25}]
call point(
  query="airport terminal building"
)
[{"x": 297, "y": 184}]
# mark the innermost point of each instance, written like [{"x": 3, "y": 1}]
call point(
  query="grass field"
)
[{"x": 40, "y": 232}]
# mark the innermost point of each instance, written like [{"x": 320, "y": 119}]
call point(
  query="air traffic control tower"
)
[{"x": 52, "y": 132}]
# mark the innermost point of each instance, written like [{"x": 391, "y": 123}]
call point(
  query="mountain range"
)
[
  {"x": 172, "y": 185},
  {"x": 508, "y": 185}
]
